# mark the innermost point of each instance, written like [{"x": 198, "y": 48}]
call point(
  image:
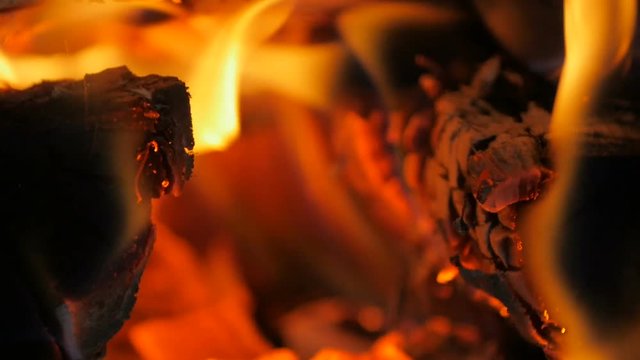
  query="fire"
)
[
  {"x": 215, "y": 108},
  {"x": 45, "y": 43},
  {"x": 317, "y": 64},
  {"x": 598, "y": 36},
  {"x": 208, "y": 48},
  {"x": 6, "y": 71}
]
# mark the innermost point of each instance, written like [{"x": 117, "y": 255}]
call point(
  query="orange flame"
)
[
  {"x": 598, "y": 36},
  {"x": 102, "y": 34}
]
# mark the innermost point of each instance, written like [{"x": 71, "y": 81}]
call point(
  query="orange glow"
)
[
  {"x": 598, "y": 35},
  {"x": 194, "y": 309},
  {"x": 388, "y": 347},
  {"x": 6, "y": 71},
  {"x": 301, "y": 132},
  {"x": 279, "y": 354}
]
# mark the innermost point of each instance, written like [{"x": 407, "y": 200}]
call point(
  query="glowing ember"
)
[{"x": 447, "y": 274}]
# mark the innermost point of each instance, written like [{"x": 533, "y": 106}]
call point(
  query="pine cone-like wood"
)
[
  {"x": 487, "y": 160},
  {"x": 485, "y": 165}
]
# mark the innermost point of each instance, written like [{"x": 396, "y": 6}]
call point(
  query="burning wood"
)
[
  {"x": 421, "y": 276},
  {"x": 82, "y": 161},
  {"x": 484, "y": 167}
]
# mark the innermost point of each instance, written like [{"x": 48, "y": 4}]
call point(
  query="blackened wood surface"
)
[{"x": 81, "y": 161}]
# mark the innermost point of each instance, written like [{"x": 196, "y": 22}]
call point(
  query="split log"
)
[{"x": 81, "y": 162}]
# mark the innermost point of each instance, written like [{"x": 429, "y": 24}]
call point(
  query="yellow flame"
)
[
  {"x": 7, "y": 75},
  {"x": 24, "y": 71},
  {"x": 312, "y": 71},
  {"x": 205, "y": 49},
  {"x": 598, "y": 35},
  {"x": 216, "y": 113}
]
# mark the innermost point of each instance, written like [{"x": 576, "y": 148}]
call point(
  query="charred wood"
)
[
  {"x": 487, "y": 158},
  {"x": 81, "y": 162}
]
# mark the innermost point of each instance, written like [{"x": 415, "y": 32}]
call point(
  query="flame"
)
[
  {"x": 36, "y": 40},
  {"x": 45, "y": 43},
  {"x": 317, "y": 64},
  {"x": 215, "y": 113},
  {"x": 598, "y": 36},
  {"x": 6, "y": 71}
]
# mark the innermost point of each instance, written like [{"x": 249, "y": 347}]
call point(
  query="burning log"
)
[
  {"x": 487, "y": 159},
  {"x": 82, "y": 160}
]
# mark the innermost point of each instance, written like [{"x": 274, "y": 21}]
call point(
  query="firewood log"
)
[
  {"x": 488, "y": 158},
  {"x": 81, "y": 162}
]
